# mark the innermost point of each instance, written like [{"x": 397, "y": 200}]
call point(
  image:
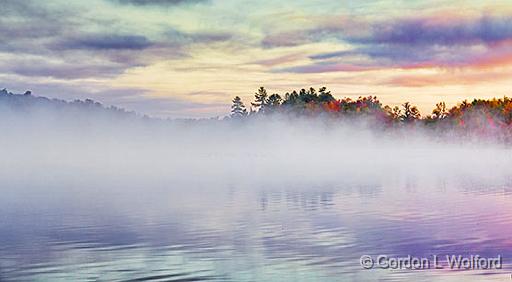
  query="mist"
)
[
  {"x": 85, "y": 190},
  {"x": 45, "y": 143}
]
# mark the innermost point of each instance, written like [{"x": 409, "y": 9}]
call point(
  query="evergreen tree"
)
[
  {"x": 308, "y": 96},
  {"x": 238, "y": 108},
  {"x": 325, "y": 96},
  {"x": 291, "y": 99},
  {"x": 275, "y": 100},
  {"x": 260, "y": 99}
]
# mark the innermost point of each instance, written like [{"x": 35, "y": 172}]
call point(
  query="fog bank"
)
[{"x": 48, "y": 146}]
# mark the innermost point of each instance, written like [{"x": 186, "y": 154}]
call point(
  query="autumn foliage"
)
[{"x": 479, "y": 118}]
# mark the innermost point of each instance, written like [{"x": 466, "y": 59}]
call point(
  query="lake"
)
[{"x": 107, "y": 226}]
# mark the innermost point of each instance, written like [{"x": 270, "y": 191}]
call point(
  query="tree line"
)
[{"x": 480, "y": 116}]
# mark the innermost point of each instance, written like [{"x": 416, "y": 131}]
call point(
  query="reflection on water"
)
[{"x": 268, "y": 231}]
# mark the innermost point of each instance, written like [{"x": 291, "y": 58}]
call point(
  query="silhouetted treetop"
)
[{"x": 238, "y": 108}]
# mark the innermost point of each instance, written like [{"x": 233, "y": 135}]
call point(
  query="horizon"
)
[
  {"x": 189, "y": 58},
  {"x": 251, "y": 109}
]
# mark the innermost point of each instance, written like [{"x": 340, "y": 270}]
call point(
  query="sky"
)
[{"x": 189, "y": 58}]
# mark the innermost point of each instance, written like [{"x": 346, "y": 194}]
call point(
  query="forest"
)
[{"x": 480, "y": 118}]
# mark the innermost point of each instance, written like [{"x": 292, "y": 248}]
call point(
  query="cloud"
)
[
  {"x": 330, "y": 55},
  {"x": 25, "y": 26},
  {"x": 177, "y": 37},
  {"x": 328, "y": 28},
  {"x": 279, "y": 60},
  {"x": 404, "y": 57},
  {"x": 28, "y": 8},
  {"x": 167, "y": 3},
  {"x": 447, "y": 78},
  {"x": 388, "y": 56},
  {"x": 286, "y": 39},
  {"x": 108, "y": 42},
  {"x": 62, "y": 42},
  {"x": 411, "y": 31},
  {"x": 434, "y": 31},
  {"x": 322, "y": 68},
  {"x": 62, "y": 69},
  {"x": 408, "y": 43}
]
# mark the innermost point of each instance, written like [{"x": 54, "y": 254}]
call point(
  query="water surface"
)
[{"x": 196, "y": 229}]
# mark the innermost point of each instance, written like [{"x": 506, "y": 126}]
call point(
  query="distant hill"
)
[
  {"x": 24, "y": 111},
  {"x": 27, "y": 103}
]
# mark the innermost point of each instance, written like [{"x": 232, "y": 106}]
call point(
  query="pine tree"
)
[
  {"x": 325, "y": 96},
  {"x": 260, "y": 99},
  {"x": 275, "y": 100},
  {"x": 238, "y": 108}
]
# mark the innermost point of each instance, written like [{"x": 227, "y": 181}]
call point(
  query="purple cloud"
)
[
  {"x": 288, "y": 39},
  {"x": 428, "y": 31},
  {"x": 62, "y": 70},
  {"x": 178, "y": 37},
  {"x": 159, "y": 2},
  {"x": 402, "y": 31},
  {"x": 412, "y": 43},
  {"x": 109, "y": 42},
  {"x": 321, "y": 68},
  {"x": 59, "y": 44}
]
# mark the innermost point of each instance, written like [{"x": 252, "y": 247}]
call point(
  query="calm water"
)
[{"x": 195, "y": 230}]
